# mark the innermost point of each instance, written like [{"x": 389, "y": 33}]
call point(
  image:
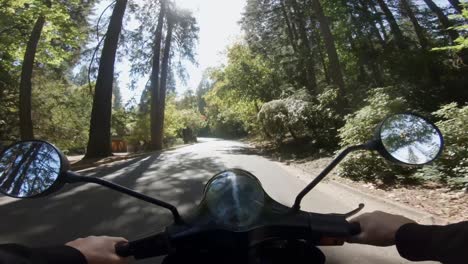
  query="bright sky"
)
[{"x": 219, "y": 27}]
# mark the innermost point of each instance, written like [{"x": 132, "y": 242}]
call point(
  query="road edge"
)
[
  {"x": 129, "y": 158},
  {"x": 307, "y": 177}
]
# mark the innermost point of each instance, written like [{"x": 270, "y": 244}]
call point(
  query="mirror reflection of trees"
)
[
  {"x": 28, "y": 169},
  {"x": 410, "y": 139}
]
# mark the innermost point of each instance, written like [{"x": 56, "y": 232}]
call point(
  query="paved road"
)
[{"x": 177, "y": 176}]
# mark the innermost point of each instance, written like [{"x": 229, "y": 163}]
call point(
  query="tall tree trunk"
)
[
  {"x": 446, "y": 23},
  {"x": 330, "y": 47},
  {"x": 155, "y": 96},
  {"x": 396, "y": 31},
  {"x": 379, "y": 21},
  {"x": 26, "y": 126},
  {"x": 15, "y": 171},
  {"x": 321, "y": 56},
  {"x": 311, "y": 82},
  {"x": 457, "y": 5},
  {"x": 432, "y": 69},
  {"x": 368, "y": 16},
  {"x": 162, "y": 88},
  {"x": 24, "y": 173},
  {"x": 99, "y": 144},
  {"x": 367, "y": 54},
  {"x": 362, "y": 76},
  {"x": 417, "y": 27},
  {"x": 292, "y": 39},
  {"x": 371, "y": 4}
]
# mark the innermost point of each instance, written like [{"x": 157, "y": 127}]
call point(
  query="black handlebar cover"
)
[
  {"x": 152, "y": 246},
  {"x": 312, "y": 227},
  {"x": 123, "y": 249},
  {"x": 355, "y": 228}
]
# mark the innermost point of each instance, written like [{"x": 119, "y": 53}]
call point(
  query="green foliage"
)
[
  {"x": 120, "y": 119},
  {"x": 461, "y": 42},
  {"x": 274, "y": 118},
  {"x": 191, "y": 118},
  {"x": 247, "y": 76},
  {"x": 61, "y": 114},
  {"x": 238, "y": 90},
  {"x": 314, "y": 119},
  {"x": 139, "y": 129},
  {"x": 360, "y": 125},
  {"x": 175, "y": 119},
  {"x": 172, "y": 120},
  {"x": 359, "y": 128},
  {"x": 228, "y": 117},
  {"x": 452, "y": 167},
  {"x": 64, "y": 32}
]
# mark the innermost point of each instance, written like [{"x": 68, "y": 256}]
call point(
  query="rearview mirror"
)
[
  {"x": 30, "y": 169},
  {"x": 409, "y": 139}
]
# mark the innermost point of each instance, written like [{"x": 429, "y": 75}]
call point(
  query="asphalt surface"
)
[{"x": 176, "y": 176}]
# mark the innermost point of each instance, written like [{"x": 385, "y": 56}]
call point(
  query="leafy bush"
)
[
  {"x": 301, "y": 118},
  {"x": 274, "y": 119},
  {"x": 462, "y": 41},
  {"x": 191, "y": 118},
  {"x": 227, "y": 123},
  {"x": 229, "y": 116},
  {"x": 61, "y": 114},
  {"x": 324, "y": 121},
  {"x": 174, "y": 121},
  {"x": 359, "y": 128},
  {"x": 452, "y": 167}
]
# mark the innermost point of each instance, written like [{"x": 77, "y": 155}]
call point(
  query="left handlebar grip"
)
[
  {"x": 123, "y": 249},
  {"x": 354, "y": 228},
  {"x": 148, "y": 247}
]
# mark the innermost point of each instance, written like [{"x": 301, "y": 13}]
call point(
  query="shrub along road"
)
[{"x": 177, "y": 176}]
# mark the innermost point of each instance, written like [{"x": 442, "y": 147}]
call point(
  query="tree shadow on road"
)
[
  {"x": 284, "y": 154},
  {"x": 86, "y": 209}
]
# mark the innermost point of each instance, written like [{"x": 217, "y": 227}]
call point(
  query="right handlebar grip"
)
[
  {"x": 354, "y": 228},
  {"x": 123, "y": 249}
]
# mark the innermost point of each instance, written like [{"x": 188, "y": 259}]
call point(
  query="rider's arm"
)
[
  {"x": 90, "y": 250},
  {"x": 15, "y": 254},
  {"x": 447, "y": 244}
]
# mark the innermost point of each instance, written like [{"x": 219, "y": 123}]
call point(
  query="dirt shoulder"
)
[{"x": 451, "y": 206}]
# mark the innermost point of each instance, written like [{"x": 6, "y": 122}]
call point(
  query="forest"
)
[{"x": 314, "y": 74}]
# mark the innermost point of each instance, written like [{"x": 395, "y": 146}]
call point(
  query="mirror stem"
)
[
  {"x": 73, "y": 177},
  {"x": 331, "y": 166}
]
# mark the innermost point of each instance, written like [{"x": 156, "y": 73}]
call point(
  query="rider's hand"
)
[
  {"x": 378, "y": 228},
  {"x": 99, "y": 250}
]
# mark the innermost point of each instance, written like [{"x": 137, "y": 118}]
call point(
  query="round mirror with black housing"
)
[
  {"x": 409, "y": 139},
  {"x": 30, "y": 169}
]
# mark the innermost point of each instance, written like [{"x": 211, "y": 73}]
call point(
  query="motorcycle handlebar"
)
[
  {"x": 355, "y": 228},
  {"x": 123, "y": 249},
  {"x": 147, "y": 247},
  {"x": 158, "y": 245}
]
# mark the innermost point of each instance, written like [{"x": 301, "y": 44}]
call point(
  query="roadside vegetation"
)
[
  {"x": 307, "y": 78},
  {"x": 311, "y": 77}
]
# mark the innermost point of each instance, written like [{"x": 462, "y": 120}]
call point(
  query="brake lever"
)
[{"x": 353, "y": 212}]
